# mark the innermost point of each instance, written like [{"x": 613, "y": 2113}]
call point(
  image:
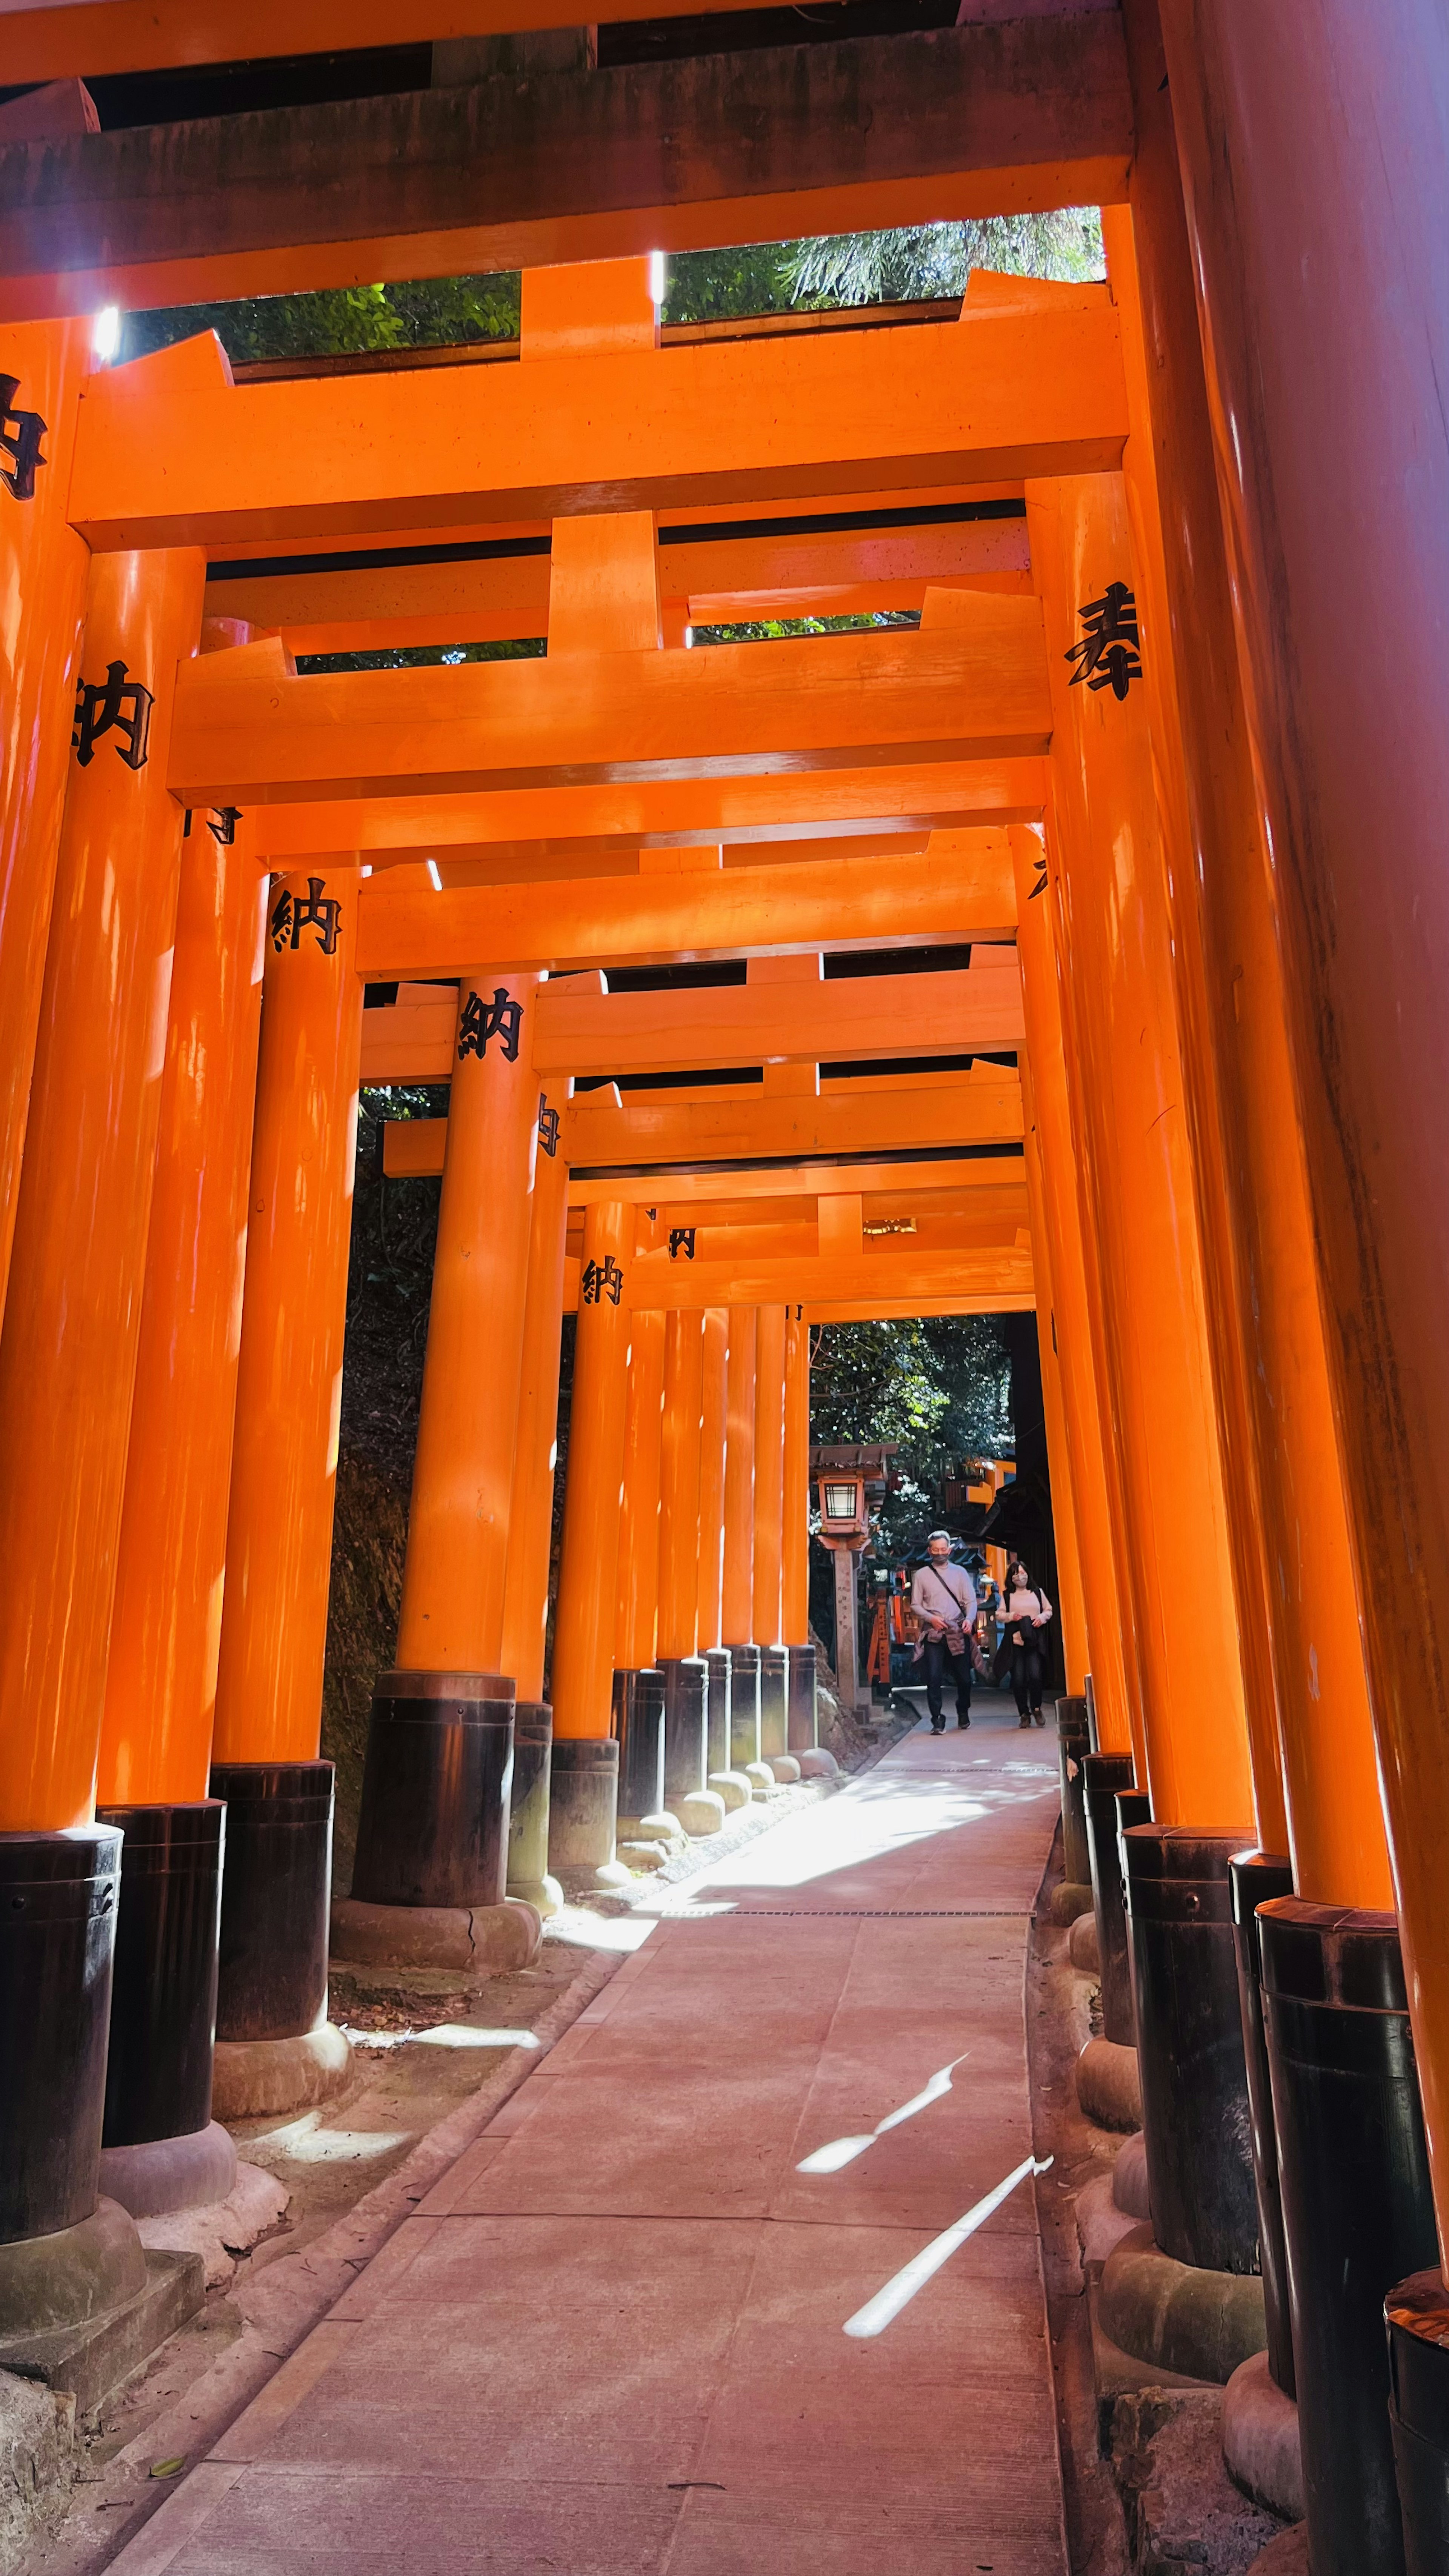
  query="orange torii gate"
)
[{"x": 1154, "y": 1249}]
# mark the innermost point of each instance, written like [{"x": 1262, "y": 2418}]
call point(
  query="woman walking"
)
[{"x": 1027, "y": 1613}]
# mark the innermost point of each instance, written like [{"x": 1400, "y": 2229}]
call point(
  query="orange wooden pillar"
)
[
  {"x": 638, "y": 1581},
  {"x": 530, "y": 1519},
  {"x": 1321, "y": 371},
  {"x": 686, "y": 1675},
  {"x": 770, "y": 1529},
  {"x": 1064, "y": 1526},
  {"x": 713, "y": 1453},
  {"x": 638, "y": 1687},
  {"x": 432, "y": 1834},
  {"x": 68, "y": 1361},
  {"x": 166, "y": 1629},
  {"x": 795, "y": 1585},
  {"x": 713, "y": 1443},
  {"x": 1095, "y": 1464},
  {"x": 738, "y": 1589},
  {"x": 1325, "y": 1773},
  {"x": 273, "y": 1986},
  {"x": 585, "y": 1755},
  {"x": 1113, "y": 895},
  {"x": 43, "y": 571}
]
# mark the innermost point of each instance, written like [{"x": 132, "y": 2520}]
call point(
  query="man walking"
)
[{"x": 943, "y": 1598}]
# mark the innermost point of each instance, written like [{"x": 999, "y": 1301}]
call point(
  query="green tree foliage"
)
[
  {"x": 939, "y": 1386},
  {"x": 420, "y": 313},
  {"x": 900, "y": 267},
  {"x": 919, "y": 261}
]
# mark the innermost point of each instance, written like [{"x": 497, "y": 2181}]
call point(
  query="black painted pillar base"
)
[
  {"x": 718, "y": 1697},
  {"x": 163, "y": 2011},
  {"x": 1254, "y": 1878},
  {"x": 1090, "y": 1695},
  {"x": 774, "y": 1701},
  {"x": 1195, "y": 2119},
  {"x": 1073, "y": 1746},
  {"x": 639, "y": 1733},
  {"x": 1416, "y": 2315},
  {"x": 1104, "y": 1774},
  {"x": 583, "y": 1809},
  {"x": 527, "y": 1866},
  {"x": 802, "y": 1734},
  {"x": 686, "y": 1760},
  {"x": 433, "y": 1830},
  {"x": 275, "y": 1894},
  {"x": 1358, "y": 2218},
  {"x": 744, "y": 1706},
  {"x": 58, "y": 1904}
]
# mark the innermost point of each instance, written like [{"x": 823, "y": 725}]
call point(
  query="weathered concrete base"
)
[
  {"x": 1082, "y": 1947},
  {"x": 486, "y": 1940},
  {"x": 818, "y": 1764},
  {"x": 702, "y": 1813},
  {"x": 1070, "y": 1901},
  {"x": 78, "y": 2273},
  {"x": 253, "y": 2076},
  {"x": 1181, "y": 2510},
  {"x": 229, "y": 2228},
  {"x": 662, "y": 1827},
  {"x": 761, "y": 1778},
  {"x": 1109, "y": 2088},
  {"x": 786, "y": 1768},
  {"x": 88, "y": 2354},
  {"x": 588, "y": 1877},
  {"x": 1129, "y": 2178},
  {"x": 1285, "y": 2556},
  {"x": 1202, "y": 2324},
  {"x": 544, "y": 1894},
  {"x": 643, "y": 1856},
  {"x": 37, "y": 2464},
  {"x": 733, "y": 1787},
  {"x": 1261, "y": 2449},
  {"x": 1101, "y": 2225},
  {"x": 194, "y": 2172}
]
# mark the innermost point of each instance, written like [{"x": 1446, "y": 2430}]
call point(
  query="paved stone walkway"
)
[{"x": 612, "y": 2341}]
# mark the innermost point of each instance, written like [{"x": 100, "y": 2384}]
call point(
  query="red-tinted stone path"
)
[{"x": 611, "y": 2341}]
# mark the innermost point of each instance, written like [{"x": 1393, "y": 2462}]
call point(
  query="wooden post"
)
[
  {"x": 638, "y": 1582},
  {"x": 1112, "y": 891},
  {"x": 43, "y": 572}
]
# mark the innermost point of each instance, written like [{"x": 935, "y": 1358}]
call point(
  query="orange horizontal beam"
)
[
  {"x": 878, "y": 1310},
  {"x": 96, "y": 37},
  {"x": 995, "y": 395},
  {"x": 658, "y": 813},
  {"x": 247, "y": 730},
  {"x": 675, "y": 1133},
  {"x": 451, "y": 603},
  {"x": 582, "y": 1033},
  {"x": 804, "y": 1278},
  {"x": 962, "y": 889}
]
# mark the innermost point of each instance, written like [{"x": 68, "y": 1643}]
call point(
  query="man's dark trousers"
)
[{"x": 938, "y": 1656}]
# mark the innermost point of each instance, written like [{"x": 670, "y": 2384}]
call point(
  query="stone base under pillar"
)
[
  {"x": 255, "y": 2076},
  {"x": 165, "y": 2174},
  {"x": 482, "y": 1940},
  {"x": 1129, "y": 2178},
  {"x": 1069, "y": 1901},
  {"x": 544, "y": 1894},
  {"x": 817, "y": 1764},
  {"x": 83, "y": 2308},
  {"x": 1200, "y": 2324},
  {"x": 1261, "y": 2449},
  {"x": 1082, "y": 1947},
  {"x": 1109, "y": 2088}
]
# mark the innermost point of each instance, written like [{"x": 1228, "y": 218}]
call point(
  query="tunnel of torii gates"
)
[{"x": 1159, "y": 1121}]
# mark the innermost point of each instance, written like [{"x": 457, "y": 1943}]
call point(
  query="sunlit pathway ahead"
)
[{"x": 613, "y": 2340}]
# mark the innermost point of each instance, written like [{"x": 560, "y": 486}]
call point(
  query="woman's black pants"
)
[{"x": 1026, "y": 1678}]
